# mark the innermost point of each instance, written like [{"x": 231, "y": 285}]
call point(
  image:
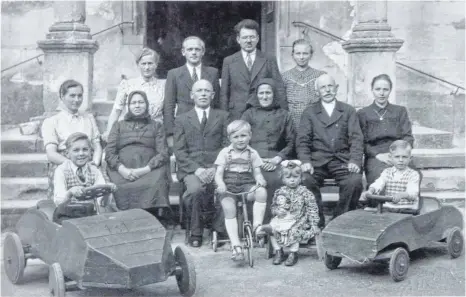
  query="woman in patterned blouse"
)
[
  {"x": 299, "y": 81},
  {"x": 147, "y": 61}
]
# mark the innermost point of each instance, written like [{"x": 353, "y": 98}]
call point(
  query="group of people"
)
[{"x": 274, "y": 136}]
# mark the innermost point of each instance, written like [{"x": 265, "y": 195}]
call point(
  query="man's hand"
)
[
  {"x": 104, "y": 136},
  {"x": 221, "y": 188},
  {"x": 77, "y": 191},
  {"x": 385, "y": 158},
  {"x": 113, "y": 187},
  {"x": 353, "y": 168},
  {"x": 268, "y": 166},
  {"x": 170, "y": 141},
  {"x": 203, "y": 175},
  {"x": 307, "y": 167},
  {"x": 210, "y": 172},
  {"x": 276, "y": 160}
]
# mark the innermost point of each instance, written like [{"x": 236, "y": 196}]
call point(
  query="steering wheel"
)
[
  {"x": 380, "y": 198},
  {"x": 95, "y": 192}
]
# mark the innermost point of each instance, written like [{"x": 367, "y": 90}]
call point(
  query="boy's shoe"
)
[
  {"x": 238, "y": 254},
  {"x": 278, "y": 257},
  {"x": 292, "y": 259},
  {"x": 267, "y": 229}
]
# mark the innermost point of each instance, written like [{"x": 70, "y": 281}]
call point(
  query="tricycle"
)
[
  {"x": 124, "y": 249},
  {"x": 364, "y": 236}
]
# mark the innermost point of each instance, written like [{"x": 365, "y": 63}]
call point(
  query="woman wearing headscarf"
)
[
  {"x": 273, "y": 134},
  {"x": 137, "y": 157}
]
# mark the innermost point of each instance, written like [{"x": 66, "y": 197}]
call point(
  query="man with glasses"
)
[{"x": 242, "y": 70}]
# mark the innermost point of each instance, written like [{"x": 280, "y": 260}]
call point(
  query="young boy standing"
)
[
  {"x": 400, "y": 182},
  {"x": 239, "y": 170},
  {"x": 73, "y": 176}
]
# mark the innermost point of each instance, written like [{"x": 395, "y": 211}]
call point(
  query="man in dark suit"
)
[
  {"x": 199, "y": 136},
  {"x": 330, "y": 145},
  {"x": 242, "y": 70},
  {"x": 180, "y": 80}
]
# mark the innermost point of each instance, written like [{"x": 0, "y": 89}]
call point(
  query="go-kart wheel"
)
[
  {"x": 13, "y": 258},
  {"x": 186, "y": 280},
  {"x": 56, "y": 281},
  {"x": 249, "y": 245},
  {"x": 332, "y": 262},
  {"x": 214, "y": 241},
  {"x": 455, "y": 242},
  {"x": 399, "y": 264}
]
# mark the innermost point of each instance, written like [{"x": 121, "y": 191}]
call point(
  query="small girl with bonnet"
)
[{"x": 295, "y": 214}]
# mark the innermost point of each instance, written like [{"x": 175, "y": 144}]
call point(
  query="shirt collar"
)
[
  {"x": 378, "y": 108},
  {"x": 199, "y": 111},
  {"x": 331, "y": 104},
  {"x": 74, "y": 168},
  {"x": 141, "y": 80},
  {"x": 67, "y": 114},
  {"x": 190, "y": 68},
  {"x": 230, "y": 148},
  {"x": 245, "y": 54}
]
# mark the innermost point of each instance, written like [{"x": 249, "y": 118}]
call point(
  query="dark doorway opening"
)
[{"x": 169, "y": 22}]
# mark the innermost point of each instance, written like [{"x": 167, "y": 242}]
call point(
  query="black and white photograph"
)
[{"x": 232, "y": 148}]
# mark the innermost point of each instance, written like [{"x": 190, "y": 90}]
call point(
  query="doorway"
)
[{"x": 169, "y": 22}]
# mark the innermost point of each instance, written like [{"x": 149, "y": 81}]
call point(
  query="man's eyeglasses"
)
[{"x": 252, "y": 37}]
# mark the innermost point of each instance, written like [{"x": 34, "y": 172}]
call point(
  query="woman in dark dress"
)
[
  {"x": 137, "y": 157},
  {"x": 382, "y": 123},
  {"x": 273, "y": 135}
]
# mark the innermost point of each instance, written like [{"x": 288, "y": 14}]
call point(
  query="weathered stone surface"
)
[{"x": 30, "y": 128}]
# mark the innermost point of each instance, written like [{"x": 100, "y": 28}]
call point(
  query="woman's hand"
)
[
  {"x": 385, "y": 158},
  {"x": 126, "y": 173},
  {"x": 140, "y": 172},
  {"x": 221, "y": 188},
  {"x": 260, "y": 181}
]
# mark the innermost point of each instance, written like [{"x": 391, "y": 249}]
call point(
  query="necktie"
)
[
  {"x": 249, "y": 61},
  {"x": 80, "y": 174},
  {"x": 195, "y": 78},
  {"x": 204, "y": 120}
]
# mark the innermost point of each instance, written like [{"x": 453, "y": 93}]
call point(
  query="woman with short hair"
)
[
  {"x": 147, "y": 61},
  {"x": 382, "y": 123}
]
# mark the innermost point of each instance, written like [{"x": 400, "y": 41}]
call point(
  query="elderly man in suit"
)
[
  {"x": 180, "y": 80},
  {"x": 199, "y": 136},
  {"x": 242, "y": 70},
  {"x": 330, "y": 145}
]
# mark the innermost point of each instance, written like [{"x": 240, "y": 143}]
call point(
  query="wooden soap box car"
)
[
  {"x": 124, "y": 249},
  {"x": 363, "y": 236}
]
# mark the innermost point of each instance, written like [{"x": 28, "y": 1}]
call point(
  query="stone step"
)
[
  {"x": 24, "y": 165},
  {"x": 432, "y": 138},
  {"x": 439, "y": 158},
  {"x": 11, "y": 210}
]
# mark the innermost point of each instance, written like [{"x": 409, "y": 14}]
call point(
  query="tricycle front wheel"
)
[
  {"x": 56, "y": 281},
  {"x": 13, "y": 258},
  {"x": 399, "y": 264},
  {"x": 332, "y": 262},
  {"x": 455, "y": 242},
  {"x": 186, "y": 279}
]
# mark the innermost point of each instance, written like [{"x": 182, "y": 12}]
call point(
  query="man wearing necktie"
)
[
  {"x": 180, "y": 80},
  {"x": 199, "y": 135},
  {"x": 242, "y": 70}
]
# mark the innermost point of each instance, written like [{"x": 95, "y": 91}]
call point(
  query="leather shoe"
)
[
  {"x": 292, "y": 259},
  {"x": 278, "y": 257},
  {"x": 195, "y": 242}
]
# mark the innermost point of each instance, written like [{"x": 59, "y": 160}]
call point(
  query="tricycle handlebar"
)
[{"x": 380, "y": 198}]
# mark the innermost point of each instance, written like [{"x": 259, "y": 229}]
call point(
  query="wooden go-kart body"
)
[
  {"x": 124, "y": 249},
  {"x": 363, "y": 236}
]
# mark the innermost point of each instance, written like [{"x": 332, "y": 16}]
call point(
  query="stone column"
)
[
  {"x": 69, "y": 53},
  {"x": 371, "y": 51}
]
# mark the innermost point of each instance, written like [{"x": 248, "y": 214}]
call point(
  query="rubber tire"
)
[
  {"x": 14, "y": 260},
  {"x": 214, "y": 241},
  {"x": 56, "y": 281},
  {"x": 455, "y": 243},
  {"x": 399, "y": 264},
  {"x": 332, "y": 262},
  {"x": 187, "y": 279},
  {"x": 249, "y": 245}
]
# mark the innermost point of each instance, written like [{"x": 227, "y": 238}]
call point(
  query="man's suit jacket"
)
[
  {"x": 239, "y": 85},
  {"x": 194, "y": 148},
  {"x": 322, "y": 138},
  {"x": 178, "y": 91}
]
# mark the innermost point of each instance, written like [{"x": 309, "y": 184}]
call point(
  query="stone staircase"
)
[{"x": 24, "y": 167}]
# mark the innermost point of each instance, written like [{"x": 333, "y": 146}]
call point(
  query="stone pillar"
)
[
  {"x": 371, "y": 51},
  {"x": 69, "y": 53}
]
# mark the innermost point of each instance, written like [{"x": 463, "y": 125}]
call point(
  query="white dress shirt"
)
[
  {"x": 329, "y": 107},
  {"x": 252, "y": 54},
  {"x": 198, "y": 70},
  {"x": 200, "y": 112}
]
